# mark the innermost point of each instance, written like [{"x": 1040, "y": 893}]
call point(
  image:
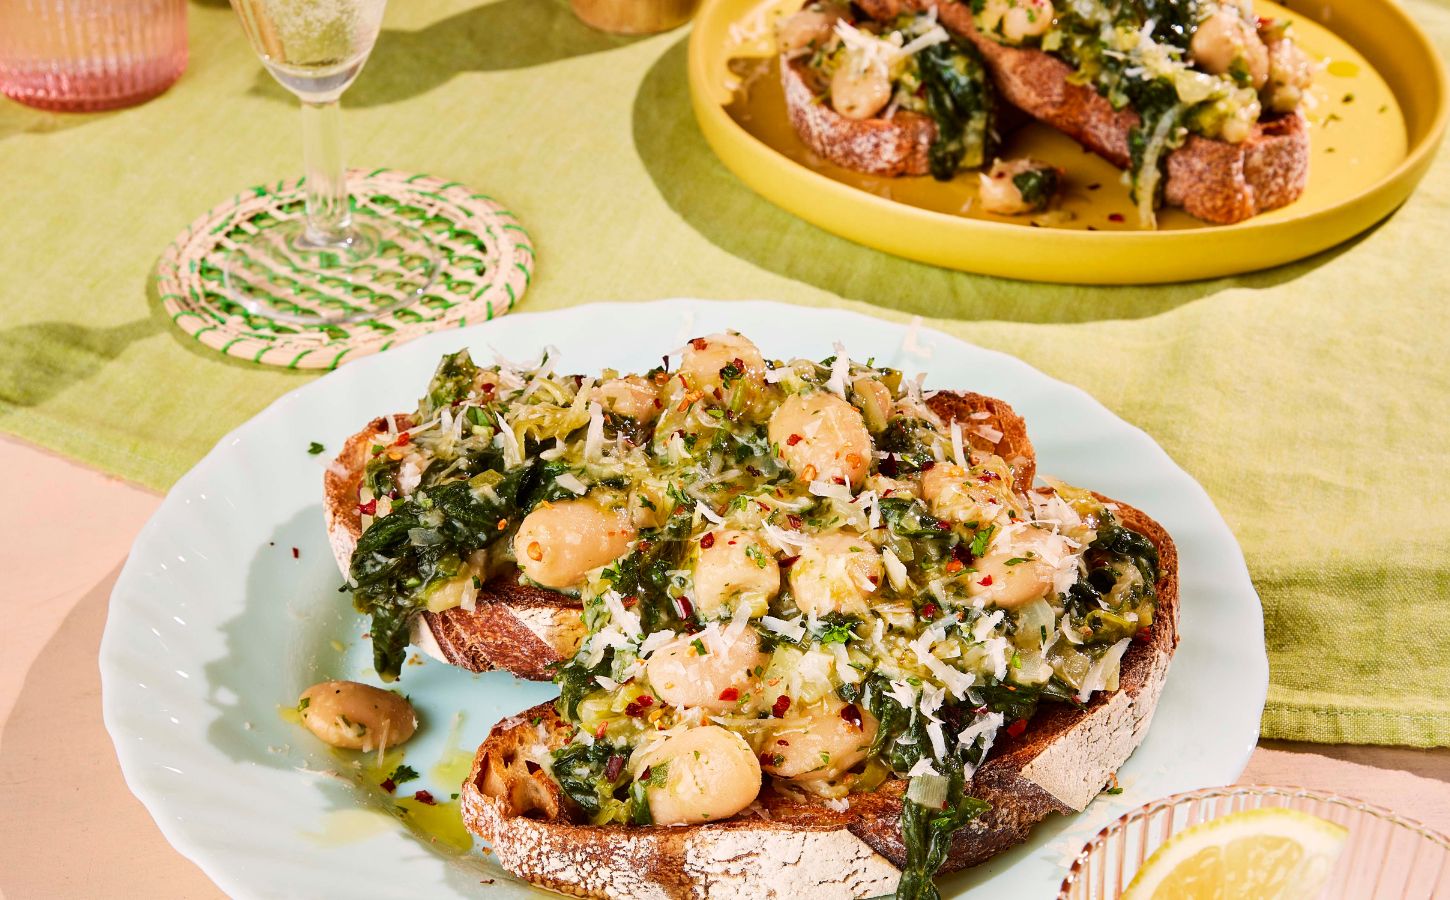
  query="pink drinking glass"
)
[{"x": 84, "y": 55}]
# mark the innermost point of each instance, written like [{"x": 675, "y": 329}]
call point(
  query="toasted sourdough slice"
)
[
  {"x": 1212, "y": 180},
  {"x": 516, "y": 627},
  {"x": 802, "y": 848},
  {"x": 877, "y": 146},
  {"x": 525, "y": 629}
]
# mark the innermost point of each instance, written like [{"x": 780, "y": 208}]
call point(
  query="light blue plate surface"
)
[{"x": 214, "y": 624}]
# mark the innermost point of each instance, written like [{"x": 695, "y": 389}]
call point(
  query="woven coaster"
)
[{"x": 485, "y": 263}]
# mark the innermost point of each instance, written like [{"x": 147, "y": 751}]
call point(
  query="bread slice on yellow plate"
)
[{"x": 1213, "y": 180}]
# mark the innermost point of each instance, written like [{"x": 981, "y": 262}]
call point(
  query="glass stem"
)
[{"x": 329, "y": 219}]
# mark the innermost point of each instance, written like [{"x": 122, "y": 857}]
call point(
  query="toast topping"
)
[{"x": 795, "y": 576}]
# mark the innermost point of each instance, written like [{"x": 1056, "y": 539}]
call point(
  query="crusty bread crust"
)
[
  {"x": 890, "y": 147},
  {"x": 527, "y": 630},
  {"x": 802, "y": 847},
  {"x": 993, "y": 426},
  {"x": 1211, "y": 180}
]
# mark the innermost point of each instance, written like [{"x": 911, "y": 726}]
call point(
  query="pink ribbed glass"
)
[
  {"x": 1386, "y": 856},
  {"x": 90, "y": 54}
]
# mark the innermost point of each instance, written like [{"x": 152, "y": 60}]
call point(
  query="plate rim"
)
[
  {"x": 726, "y": 137},
  {"x": 214, "y": 861}
]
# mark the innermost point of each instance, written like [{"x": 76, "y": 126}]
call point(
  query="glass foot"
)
[{"x": 278, "y": 270}]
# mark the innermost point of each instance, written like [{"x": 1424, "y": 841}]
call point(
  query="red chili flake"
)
[
  {"x": 393, "y": 494},
  {"x": 962, "y": 553},
  {"x": 686, "y": 609},
  {"x": 648, "y": 771},
  {"x": 986, "y": 581},
  {"x": 730, "y": 695},
  {"x": 989, "y": 477},
  {"x": 643, "y": 546},
  {"x": 699, "y": 343},
  {"x": 629, "y": 601},
  {"x": 943, "y": 525},
  {"x": 718, "y": 394},
  {"x": 838, "y": 480},
  {"x": 659, "y": 404},
  {"x": 888, "y": 466},
  {"x": 753, "y": 471},
  {"x": 739, "y": 363},
  {"x": 424, "y": 798},
  {"x": 707, "y": 540},
  {"x": 929, "y": 611},
  {"x": 954, "y": 566},
  {"x": 793, "y": 521},
  {"x": 874, "y": 579},
  {"x": 782, "y": 703},
  {"x": 1145, "y": 634},
  {"x": 599, "y": 732},
  {"x": 296, "y": 554},
  {"x": 1017, "y": 727},
  {"x": 369, "y": 508},
  {"x": 403, "y": 440},
  {"x": 1115, "y": 217},
  {"x": 793, "y": 440},
  {"x": 789, "y": 561},
  {"x": 851, "y": 714},
  {"x": 388, "y": 786},
  {"x": 636, "y": 707},
  {"x": 487, "y": 388},
  {"x": 613, "y": 767},
  {"x": 763, "y": 507},
  {"x": 928, "y": 466}
]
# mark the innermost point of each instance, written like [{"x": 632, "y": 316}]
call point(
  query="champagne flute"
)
[{"x": 340, "y": 261}]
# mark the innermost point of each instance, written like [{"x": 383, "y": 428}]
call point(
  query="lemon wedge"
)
[{"x": 1257, "y": 854}]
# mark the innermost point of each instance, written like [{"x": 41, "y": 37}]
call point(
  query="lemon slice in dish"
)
[{"x": 1257, "y": 854}]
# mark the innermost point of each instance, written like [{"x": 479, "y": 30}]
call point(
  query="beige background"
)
[{"x": 69, "y": 827}]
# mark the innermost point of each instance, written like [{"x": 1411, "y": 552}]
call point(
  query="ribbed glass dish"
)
[
  {"x": 84, "y": 55},
  {"x": 1387, "y": 857}
]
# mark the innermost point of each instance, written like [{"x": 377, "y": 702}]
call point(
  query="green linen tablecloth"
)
[{"x": 1310, "y": 401}]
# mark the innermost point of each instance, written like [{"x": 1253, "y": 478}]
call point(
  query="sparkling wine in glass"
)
[{"x": 341, "y": 261}]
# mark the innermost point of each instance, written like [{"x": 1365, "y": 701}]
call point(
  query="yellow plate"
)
[{"x": 1378, "y": 115}]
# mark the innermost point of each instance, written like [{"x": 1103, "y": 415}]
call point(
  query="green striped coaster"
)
[{"x": 485, "y": 264}]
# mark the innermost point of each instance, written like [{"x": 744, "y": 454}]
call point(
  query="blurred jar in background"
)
[
  {"x": 78, "y": 55},
  {"x": 633, "y": 16}
]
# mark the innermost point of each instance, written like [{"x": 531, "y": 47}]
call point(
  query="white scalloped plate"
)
[{"x": 215, "y": 623}]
